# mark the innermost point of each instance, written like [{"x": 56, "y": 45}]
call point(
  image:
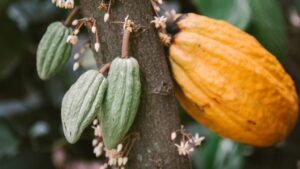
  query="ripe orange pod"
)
[{"x": 230, "y": 83}]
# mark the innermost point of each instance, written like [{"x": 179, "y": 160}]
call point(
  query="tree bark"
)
[{"x": 158, "y": 112}]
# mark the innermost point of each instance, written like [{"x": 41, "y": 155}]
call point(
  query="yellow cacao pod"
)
[{"x": 230, "y": 83}]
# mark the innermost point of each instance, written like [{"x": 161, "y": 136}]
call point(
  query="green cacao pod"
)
[
  {"x": 53, "y": 50},
  {"x": 121, "y": 101},
  {"x": 81, "y": 103}
]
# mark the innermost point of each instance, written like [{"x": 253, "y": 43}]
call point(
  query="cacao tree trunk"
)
[{"x": 158, "y": 113}]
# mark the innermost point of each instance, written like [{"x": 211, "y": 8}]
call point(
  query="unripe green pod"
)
[
  {"x": 121, "y": 101},
  {"x": 81, "y": 103},
  {"x": 53, "y": 50}
]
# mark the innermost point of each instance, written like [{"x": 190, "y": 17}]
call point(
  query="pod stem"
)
[
  {"x": 104, "y": 68},
  {"x": 126, "y": 36},
  {"x": 71, "y": 15}
]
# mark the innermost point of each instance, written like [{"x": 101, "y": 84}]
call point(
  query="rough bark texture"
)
[{"x": 158, "y": 114}]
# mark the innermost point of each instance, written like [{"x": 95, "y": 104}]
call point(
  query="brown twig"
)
[
  {"x": 109, "y": 5},
  {"x": 104, "y": 68},
  {"x": 71, "y": 15},
  {"x": 153, "y": 6},
  {"x": 126, "y": 37}
]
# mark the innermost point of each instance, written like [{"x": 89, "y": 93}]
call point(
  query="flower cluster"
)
[
  {"x": 160, "y": 22},
  {"x": 97, "y": 141},
  {"x": 67, "y": 4},
  {"x": 77, "y": 56},
  {"x": 165, "y": 38},
  {"x": 89, "y": 23},
  {"x": 188, "y": 143},
  {"x": 73, "y": 38},
  {"x": 117, "y": 157}
]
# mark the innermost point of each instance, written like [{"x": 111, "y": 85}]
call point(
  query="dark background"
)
[{"x": 30, "y": 128}]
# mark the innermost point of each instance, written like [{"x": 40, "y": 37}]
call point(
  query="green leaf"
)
[
  {"x": 8, "y": 139},
  {"x": 268, "y": 26},
  {"x": 229, "y": 155},
  {"x": 297, "y": 4},
  {"x": 237, "y": 12},
  {"x": 4, "y": 4},
  {"x": 218, "y": 153},
  {"x": 28, "y": 160},
  {"x": 12, "y": 44},
  {"x": 25, "y": 13},
  {"x": 208, "y": 151}
]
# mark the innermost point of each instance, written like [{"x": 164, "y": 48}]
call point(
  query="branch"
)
[{"x": 71, "y": 15}]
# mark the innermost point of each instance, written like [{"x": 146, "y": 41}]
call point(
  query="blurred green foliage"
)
[
  {"x": 215, "y": 152},
  {"x": 268, "y": 26},
  {"x": 29, "y": 108},
  {"x": 9, "y": 140},
  {"x": 297, "y": 5},
  {"x": 237, "y": 12}
]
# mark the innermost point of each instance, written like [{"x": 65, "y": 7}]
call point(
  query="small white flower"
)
[
  {"x": 69, "y": 4},
  {"x": 98, "y": 151},
  {"x": 76, "y": 31},
  {"x": 125, "y": 160},
  {"x": 112, "y": 161},
  {"x": 198, "y": 140},
  {"x": 60, "y": 3},
  {"x": 101, "y": 145},
  {"x": 94, "y": 29},
  {"x": 119, "y": 147},
  {"x": 69, "y": 38},
  {"x": 74, "y": 22},
  {"x": 76, "y": 56},
  {"x": 53, "y": 1},
  {"x": 173, "y": 136},
  {"x": 95, "y": 122},
  {"x": 76, "y": 66},
  {"x": 97, "y": 131},
  {"x": 73, "y": 39},
  {"x": 183, "y": 148},
  {"x": 159, "y": 1},
  {"x": 165, "y": 38},
  {"x": 106, "y": 153},
  {"x": 104, "y": 166},
  {"x": 95, "y": 142},
  {"x": 106, "y": 17},
  {"x": 160, "y": 22},
  {"x": 120, "y": 161},
  {"x": 97, "y": 46}
]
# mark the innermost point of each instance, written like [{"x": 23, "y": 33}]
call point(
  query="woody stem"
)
[
  {"x": 71, "y": 15},
  {"x": 125, "y": 42},
  {"x": 104, "y": 68}
]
